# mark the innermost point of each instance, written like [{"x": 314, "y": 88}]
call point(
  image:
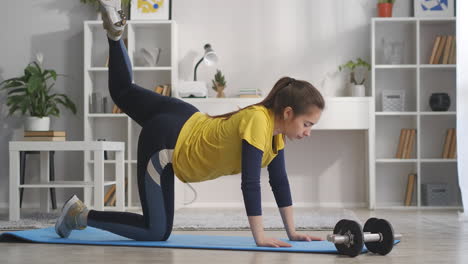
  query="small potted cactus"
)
[{"x": 219, "y": 83}]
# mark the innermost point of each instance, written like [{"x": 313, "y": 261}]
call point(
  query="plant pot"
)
[
  {"x": 220, "y": 92},
  {"x": 358, "y": 90},
  {"x": 439, "y": 102},
  {"x": 34, "y": 123},
  {"x": 385, "y": 9}
]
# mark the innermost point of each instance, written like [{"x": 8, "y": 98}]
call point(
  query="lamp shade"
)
[{"x": 210, "y": 56}]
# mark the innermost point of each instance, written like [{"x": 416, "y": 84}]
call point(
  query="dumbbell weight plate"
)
[
  {"x": 340, "y": 225},
  {"x": 385, "y": 228},
  {"x": 369, "y": 226},
  {"x": 354, "y": 229},
  {"x": 384, "y": 247}
]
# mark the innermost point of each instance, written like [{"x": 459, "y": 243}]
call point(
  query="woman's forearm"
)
[
  {"x": 288, "y": 219},
  {"x": 256, "y": 226}
]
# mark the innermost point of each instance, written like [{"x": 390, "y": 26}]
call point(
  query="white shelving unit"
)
[
  {"x": 418, "y": 79},
  {"x": 139, "y": 34}
]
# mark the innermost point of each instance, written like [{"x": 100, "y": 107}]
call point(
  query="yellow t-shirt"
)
[{"x": 208, "y": 148}]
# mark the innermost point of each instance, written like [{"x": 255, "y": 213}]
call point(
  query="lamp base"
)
[{"x": 192, "y": 89}]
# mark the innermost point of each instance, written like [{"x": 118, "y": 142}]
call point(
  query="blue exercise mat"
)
[{"x": 93, "y": 236}]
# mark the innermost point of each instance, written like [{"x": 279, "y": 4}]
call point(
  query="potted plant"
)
[
  {"x": 219, "y": 83},
  {"x": 357, "y": 87},
  {"x": 385, "y": 8},
  {"x": 31, "y": 94}
]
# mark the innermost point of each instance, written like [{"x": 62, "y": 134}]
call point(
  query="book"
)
[
  {"x": 249, "y": 96},
  {"x": 434, "y": 49},
  {"x": 158, "y": 89},
  {"x": 109, "y": 194},
  {"x": 44, "y": 138},
  {"x": 453, "y": 145},
  {"x": 400, "y": 144},
  {"x": 448, "y": 139},
  {"x": 167, "y": 90},
  {"x": 409, "y": 188},
  {"x": 406, "y": 144},
  {"x": 50, "y": 133},
  {"x": 440, "y": 49},
  {"x": 447, "y": 48},
  {"x": 410, "y": 143},
  {"x": 453, "y": 51}
]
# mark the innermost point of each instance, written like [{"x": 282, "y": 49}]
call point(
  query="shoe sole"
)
[{"x": 64, "y": 213}]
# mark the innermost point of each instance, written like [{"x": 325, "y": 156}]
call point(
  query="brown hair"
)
[{"x": 298, "y": 94}]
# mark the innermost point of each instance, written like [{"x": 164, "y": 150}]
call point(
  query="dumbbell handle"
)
[{"x": 368, "y": 237}]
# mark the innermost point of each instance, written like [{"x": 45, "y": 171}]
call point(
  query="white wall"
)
[
  {"x": 257, "y": 42},
  {"x": 55, "y": 28}
]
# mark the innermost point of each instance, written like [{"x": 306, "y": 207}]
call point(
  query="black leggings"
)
[{"x": 161, "y": 118}]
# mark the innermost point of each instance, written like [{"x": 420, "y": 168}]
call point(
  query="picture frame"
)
[
  {"x": 434, "y": 8},
  {"x": 151, "y": 9}
]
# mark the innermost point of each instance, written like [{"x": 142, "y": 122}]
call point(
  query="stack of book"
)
[
  {"x": 44, "y": 135},
  {"x": 410, "y": 188},
  {"x": 405, "y": 146},
  {"x": 444, "y": 50},
  {"x": 249, "y": 93},
  {"x": 450, "y": 145}
]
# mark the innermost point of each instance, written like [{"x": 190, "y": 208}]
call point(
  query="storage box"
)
[
  {"x": 393, "y": 100},
  {"x": 435, "y": 194}
]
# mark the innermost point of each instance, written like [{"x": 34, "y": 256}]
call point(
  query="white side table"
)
[{"x": 98, "y": 183}]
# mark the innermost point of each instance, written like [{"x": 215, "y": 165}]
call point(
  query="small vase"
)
[
  {"x": 220, "y": 92},
  {"x": 385, "y": 9},
  {"x": 34, "y": 123},
  {"x": 439, "y": 102}
]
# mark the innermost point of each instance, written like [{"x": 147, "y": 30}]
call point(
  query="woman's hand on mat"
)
[
  {"x": 272, "y": 242},
  {"x": 303, "y": 237}
]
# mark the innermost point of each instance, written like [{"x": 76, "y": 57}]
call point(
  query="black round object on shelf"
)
[{"x": 439, "y": 102}]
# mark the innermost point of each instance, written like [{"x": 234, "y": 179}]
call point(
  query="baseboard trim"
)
[{"x": 273, "y": 205}]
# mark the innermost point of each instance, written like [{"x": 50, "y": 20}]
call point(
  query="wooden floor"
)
[{"x": 429, "y": 237}]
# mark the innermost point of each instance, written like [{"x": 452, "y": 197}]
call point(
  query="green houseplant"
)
[
  {"x": 357, "y": 87},
  {"x": 219, "y": 83},
  {"x": 32, "y": 96}
]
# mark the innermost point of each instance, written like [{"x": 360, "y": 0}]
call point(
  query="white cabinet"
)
[
  {"x": 100, "y": 122},
  {"x": 412, "y": 40}
]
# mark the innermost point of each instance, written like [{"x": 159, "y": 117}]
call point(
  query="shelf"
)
[
  {"x": 391, "y": 160},
  {"x": 112, "y": 161},
  {"x": 107, "y": 115},
  {"x": 437, "y": 113},
  {"x": 439, "y": 160},
  {"x": 410, "y": 19},
  {"x": 139, "y": 68},
  {"x": 98, "y": 69},
  {"x": 438, "y": 66},
  {"x": 395, "y": 113},
  {"x": 414, "y": 207},
  {"x": 396, "y": 66},
  {"x": 63, "y": 184}
]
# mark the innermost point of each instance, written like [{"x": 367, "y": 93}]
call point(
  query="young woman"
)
[{"x": 178, "y": 139}]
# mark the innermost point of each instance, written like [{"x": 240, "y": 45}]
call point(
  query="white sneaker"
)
[
  {"x": 114, "y": 19},
  {"x": 69, "y": 218}
]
